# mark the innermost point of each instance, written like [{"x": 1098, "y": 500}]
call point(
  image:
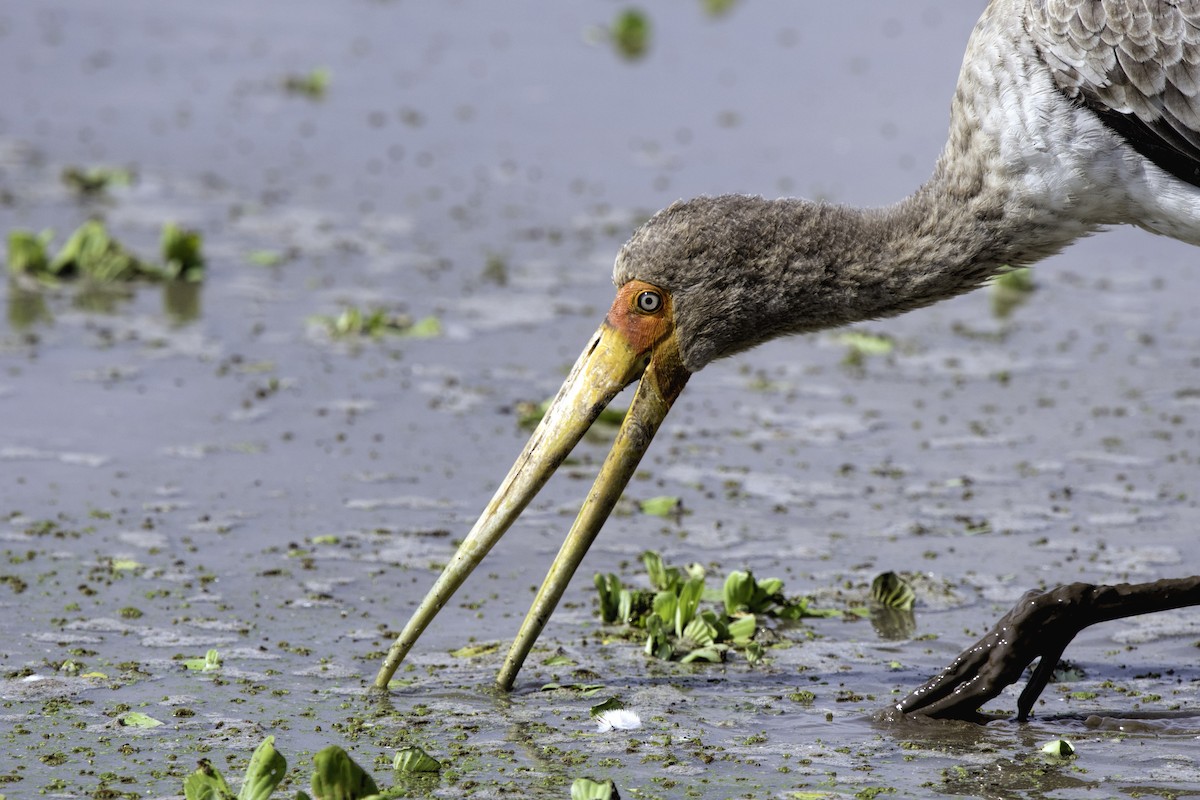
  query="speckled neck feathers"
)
[
  {"x": 744, "y": 270},
  {"x": 1028, "y": 167}
]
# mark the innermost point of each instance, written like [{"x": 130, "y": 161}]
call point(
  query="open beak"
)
[{"x": 627, "y": 345}]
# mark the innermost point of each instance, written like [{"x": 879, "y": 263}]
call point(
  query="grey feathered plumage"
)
[{"x": 1037, "y": 156}]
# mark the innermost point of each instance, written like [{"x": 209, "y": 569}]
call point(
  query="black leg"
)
[{"x": 1040, "y": 625}]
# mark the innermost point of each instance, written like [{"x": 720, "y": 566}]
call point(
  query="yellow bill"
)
[{"x": 636, "y": 339}]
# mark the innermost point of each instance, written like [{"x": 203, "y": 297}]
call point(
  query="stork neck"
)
[{"x": 951, "y": 235}]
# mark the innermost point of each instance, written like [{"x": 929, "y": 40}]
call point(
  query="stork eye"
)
[{"x": 649, "y": 302}]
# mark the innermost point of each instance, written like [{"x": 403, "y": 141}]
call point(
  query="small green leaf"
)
[
  {"x": 95, "y": 180},
  {"x": 475, "y": 650},
  {"x": 588, "y": 789},
  {"x": 264, "y": 772},
  {"x": 689, "y": 602},
  {"x": 27, "y": 252},
  {"x": 312, "y": 85},
  {"x": 1015, "y": 280},
  {"x": 426, "y": 328},
  {"x": 742, "y": 629},
  {"x": 890, "y": 590},
  {"x": 609, "y": 587},
  {"x": 210, "y": 662},
  {"x": 414, "y": 759},
  {"x": 1059, "y": 748},
  {"x": 712, "y": 654},
  {"x": 663, "y": 506},
  {"x": 738, "y": 592},
  {"x": 337, "y": 777},
  {"x": 136, "y": 719},
  {"x": 181, "y": 252},
  {"x": 611, "y": 704},
  {"x": 662, "y": 577},
  {"x": 206, "y": 783},
  {"x": 697, "y": 634},
  {"x": 266, "y": 258},
  {"x": 666, "y": 605},
  {"x": 631, "y": 34},
  {"x": 866, "y": 344}
]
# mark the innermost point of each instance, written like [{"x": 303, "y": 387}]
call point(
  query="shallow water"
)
[{"x": 185, "y": 472}]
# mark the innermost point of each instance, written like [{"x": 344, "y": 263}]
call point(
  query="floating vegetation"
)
[
  {"x": 415, "y": 760},
  {"x": 335, "y": 775},
  {"x": 890, "y": 590},
  {"x": 264, "y": 772},
  {"x": 266, "y": 258},
  {"x": 92, "y": 182},
  {"x": 475, "y": 650},
  {"x": 862, "y": 345},
  {"x": 92, "y": 253},
  {"x": 181, "y": 253},
  {"x": 611, "y": 704},
  {"x": 663, "y": 506},
  {"x": 675, "y": 625},
  {"x": 312, "y": 85},
  {"x": 718, "y": 8},
  {"x": 630, "y": 34},
  {"x": 356, "y": 323},
  {"x": 1010, "y": 289},
  {"x": 136, "y": 719},
  {"x": 588, "y": 789},
  {"x": 530, "y": 414},
  {"x": 210, "y": 662},
  {"x": 1059, "y": 748}
]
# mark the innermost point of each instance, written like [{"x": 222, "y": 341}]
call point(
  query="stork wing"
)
[{"x": 1136, "y": 64}]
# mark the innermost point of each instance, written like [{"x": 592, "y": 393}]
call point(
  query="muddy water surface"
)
[{"x": 186, "y": 470}]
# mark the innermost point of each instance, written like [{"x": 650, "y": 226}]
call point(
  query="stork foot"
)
[{"x": 1040, "y": 626}]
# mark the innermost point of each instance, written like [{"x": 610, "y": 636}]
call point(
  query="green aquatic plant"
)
[
  {"x": 95, "y": 181},
  {"x": 1010, "y": 289},
  {"x": 355, "y": 322},
  {"x": 335, "y": 776},
  {"x": 630, "y": 34},
  {"x": 415, "y": 760},
  {"x": 892, "y": 591},
  {"x": 861, "y": 345},
  {"x": 264, "y": 772},
  {"x": 1059, "y": 748},
  {"x": 210, "y": 662},
  {"x": 674, "y": 622},
  {"x": 181, "y": 253},
  {"x": 664, "y": 506},
  {"x": 91, "y": 252},
  {"x": 530, "y": 414},
  {"x": 588, "y": 789},
  {"x": 27, "y": 251},
  {"x": 312, "y": 84},
  {"x": 136, "y": 719}
]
